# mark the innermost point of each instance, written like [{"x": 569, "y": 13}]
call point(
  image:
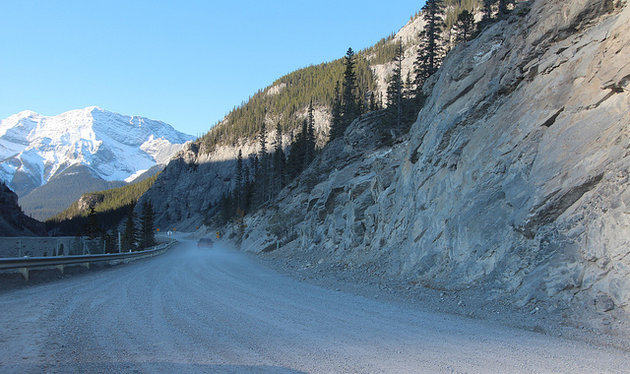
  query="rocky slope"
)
[
  {"x": 13, "y": 222},
  {"x": 195, "y": 180},
  {"x": 513, "y": 182}
]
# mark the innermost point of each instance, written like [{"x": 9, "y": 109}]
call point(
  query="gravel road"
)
[{"x": 200, "y": 310}]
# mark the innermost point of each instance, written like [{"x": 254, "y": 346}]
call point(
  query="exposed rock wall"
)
[
  {"x": 195, "y": 180},
  {"x": 515, "y": 178}
]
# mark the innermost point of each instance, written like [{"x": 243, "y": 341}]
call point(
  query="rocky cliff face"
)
[
  {"x": 514, "y": 179},
  {"x": 196, "y": 179},
  {"x": 13, "y": 222}
]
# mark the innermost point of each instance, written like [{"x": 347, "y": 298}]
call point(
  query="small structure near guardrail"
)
[
  {"x": 25, "y": 264},
  {"x": 33, "y": 246}
]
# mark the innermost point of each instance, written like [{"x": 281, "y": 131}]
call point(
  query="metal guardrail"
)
[{"x": 24, "y": 264}]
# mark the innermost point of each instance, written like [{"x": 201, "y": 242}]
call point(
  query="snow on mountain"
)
[{"x": 115, "y": 147}]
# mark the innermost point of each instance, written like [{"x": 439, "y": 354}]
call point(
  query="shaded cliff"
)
[{"x": 13, "y": 221}]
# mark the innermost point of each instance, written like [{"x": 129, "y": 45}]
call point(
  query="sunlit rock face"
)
[{"x": 513, "y": 181}]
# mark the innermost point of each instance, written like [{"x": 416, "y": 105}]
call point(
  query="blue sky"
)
[{"x": 187, "y": 63}]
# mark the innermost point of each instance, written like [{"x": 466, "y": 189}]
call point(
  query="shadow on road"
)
[{"x": 161, "y": 367}]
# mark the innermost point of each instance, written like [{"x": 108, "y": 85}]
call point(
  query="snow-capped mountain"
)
[{"x": 35, "y": 149}]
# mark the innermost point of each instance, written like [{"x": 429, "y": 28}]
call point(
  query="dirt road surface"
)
[{"x": 214, "y": 310}]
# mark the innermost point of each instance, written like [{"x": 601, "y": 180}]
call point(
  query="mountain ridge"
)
[{"x": 111, "y": 147}]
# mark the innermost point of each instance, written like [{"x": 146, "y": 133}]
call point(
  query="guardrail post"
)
[
  {"x": 60, "y": 268},
  {"x": 24, "y": 272}
]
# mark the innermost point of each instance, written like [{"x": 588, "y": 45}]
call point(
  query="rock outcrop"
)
[
  {"x": 515, "y": 179},
  {"x": 13, "y": 222},
  {"x": 189, "y": 189}
]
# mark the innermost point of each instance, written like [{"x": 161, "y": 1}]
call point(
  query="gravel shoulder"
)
[{"x": 610, "y": 329}]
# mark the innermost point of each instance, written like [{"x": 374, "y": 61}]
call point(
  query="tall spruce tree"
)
[
  {"x": 262, "y": 176},
  {"x": 92, "y": 228},
  {"x": 309, "y": 136},
  {"x": 410, "y": 111},
  {"x": 349, "y": 101},
  {"x": 239, "y": 184},
  {"x": 147, "y": 233},
  {"x": 430, "y": 51},
  {"x": 464, "y": 27},
  {"x": 303, "y": 151},
  {"x": 395, "y": 91},
  {"x": 227, "y": 207},
  {"x": 110, "y": 241},
  {"x": 295, "y": 160},
  {"x": 279, "y": 161},
  {"x": 336, "y": 127},
  {"x": 486, "y": 14},
  {"x": 130, "y": 235},
  {"x": 248, "y": 191},
  {"x": 372, "y": 102}
]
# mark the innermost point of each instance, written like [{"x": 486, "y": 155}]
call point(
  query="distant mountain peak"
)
[{"x": 114, "y": 147}]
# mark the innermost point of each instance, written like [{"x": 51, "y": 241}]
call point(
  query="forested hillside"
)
[
  {"x": 291, "y": 94},
  {"x": 109, "y": 206}
]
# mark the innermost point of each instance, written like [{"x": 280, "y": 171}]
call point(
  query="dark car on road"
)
[{"x": 205, "y": 242}]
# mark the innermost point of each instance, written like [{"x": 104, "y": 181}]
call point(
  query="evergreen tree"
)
[
  {"x": 410, "y": 110},
  {"x": 279, "y": 161},
  {"x": 262, "y": 175},
  {"x": 227, "y": 207},
  {"x": 395, "y": 91},
  {"x": 464, "y": 27},
  {"x": 430, "y": 51},
  {"x": 336, "y": 127},
  {"x": 255, "y": 168},
  {"x": 303, "y": 151},
  {"x": 350, "y": 103},
  {"x": 248, "y": 193},
  {"x": 309, "y": 137},
  {"x": 486, "y": 11},
  {"x": 92, "y": 228},
  {"x": 147, "y": 233},
  {"x": 372, "y": 102},
  {"x": 262, "y": 137},
  {"x": 111, "y": 242},
  {"x": 295, "y": 160},
  {"x": 239, "y": 185},
  {"x": 129, "y": 236}
]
